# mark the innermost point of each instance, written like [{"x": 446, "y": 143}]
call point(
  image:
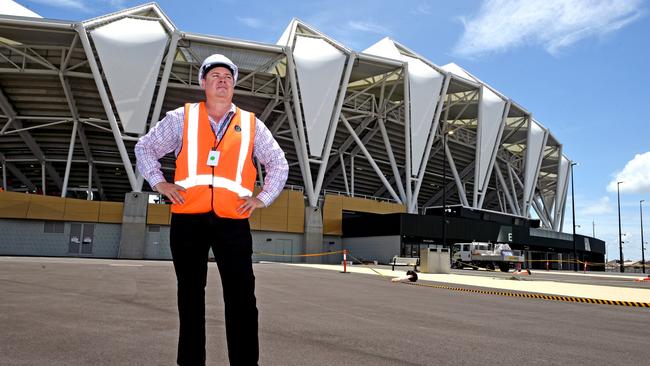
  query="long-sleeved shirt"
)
[{"x": 167, "y": 136}]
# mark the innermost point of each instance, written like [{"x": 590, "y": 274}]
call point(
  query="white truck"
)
[{"x": 485, "y": 255}]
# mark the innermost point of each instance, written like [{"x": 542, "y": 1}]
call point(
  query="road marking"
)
[{"x": 537, "y": 296}]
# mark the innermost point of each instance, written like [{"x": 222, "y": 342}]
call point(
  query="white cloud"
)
[
  {"x": 355, "y": 34},
  {"x": 118, "y": 4},
  {"x": 600, "y": 207},
  {"x": 250, "y": 22},
  {"x": 635, "y": 176},
  {"x": 84, "y": 5},
  {"x": 70, "y": 4},
  {"x": 422, "y": 9},
  {"x": 553, "y": 24},
  {"x": 367, "y": 27}
]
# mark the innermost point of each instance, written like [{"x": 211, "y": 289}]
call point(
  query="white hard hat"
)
[{"x": 218, "y": 60}]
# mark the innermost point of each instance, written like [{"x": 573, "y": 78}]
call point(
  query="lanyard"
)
[{"x": 224, "y": 125}]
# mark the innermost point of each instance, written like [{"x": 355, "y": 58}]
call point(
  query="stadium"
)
[{"x": 388, "y": 152}]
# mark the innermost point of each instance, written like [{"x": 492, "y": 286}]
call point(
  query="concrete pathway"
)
[{"x": 522, "y": 283}]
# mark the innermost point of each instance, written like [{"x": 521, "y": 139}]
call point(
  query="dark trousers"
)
[{"x": 191, "y": 237}]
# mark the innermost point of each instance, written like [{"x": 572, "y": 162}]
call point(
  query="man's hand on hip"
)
[
  {"x": 250, "y": 204},
  {"x": 171, "y": 191}
]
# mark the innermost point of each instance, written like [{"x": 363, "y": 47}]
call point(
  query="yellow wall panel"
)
[
  {"x": 46, "y": 208},
  {"x": 158, "y": 214},
  {"x": 371, "y": 206},
  {"x": 388, "y": 207},
  {"x": 14, "y": 205},
  {"x": 274, "y": 217},
  {"x": 332, "y": 215},
  {"x": 296, "y": 212},
  {"x": 270, "y": 222},
  {"x": 334, "y": 206},
  {"x": 81, "y": 210},
  {"x": 111, "y": 212},
  {"x": 359, "y": 204}
]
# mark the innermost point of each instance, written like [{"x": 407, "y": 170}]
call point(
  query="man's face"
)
[{"x": 218, "y": 83}]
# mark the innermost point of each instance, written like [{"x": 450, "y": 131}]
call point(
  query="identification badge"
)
[{"x": 213, "y": 158}]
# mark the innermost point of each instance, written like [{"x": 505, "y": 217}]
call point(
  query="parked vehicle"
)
[{"x": 485, "y": 255}]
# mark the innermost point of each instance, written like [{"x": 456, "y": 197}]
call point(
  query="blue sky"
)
[{"x": 579, "y": 66}]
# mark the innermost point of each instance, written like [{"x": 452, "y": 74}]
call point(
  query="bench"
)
[{"x": 405, "y": 261}]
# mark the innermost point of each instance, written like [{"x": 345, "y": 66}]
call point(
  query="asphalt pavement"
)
[{"x": 67, "y": 311}]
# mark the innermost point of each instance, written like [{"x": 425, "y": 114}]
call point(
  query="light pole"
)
[
  {"x": 620, "y": 238},
  {"x": 444, "y": 185},
  {"x": 642, "y": 248},
  {"x": 593, "y": 229},
  {"x": 573, "y": 212}
]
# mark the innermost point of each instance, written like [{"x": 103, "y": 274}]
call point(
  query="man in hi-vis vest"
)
[{"x": 212, "y": 198}]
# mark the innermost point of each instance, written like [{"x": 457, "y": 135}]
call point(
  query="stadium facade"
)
[{"x": 384, "y": 130}]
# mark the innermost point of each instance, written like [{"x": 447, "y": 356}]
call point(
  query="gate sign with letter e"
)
[{"x": 505, "y": 234}]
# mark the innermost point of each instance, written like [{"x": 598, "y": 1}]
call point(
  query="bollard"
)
[
  {"x": 584, "y": 270},
  {"x": 345, "y": 261},
  {"x": 547, "y": 265}
]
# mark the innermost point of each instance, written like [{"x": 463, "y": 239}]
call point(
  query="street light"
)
[
  {"x": 444, "y": 185},
  {"x": 620, "y": 238},
  {"x": 593, "y": 229},
  {"x": 573, "y": 212},
  {"x": 642, "y": 248}
]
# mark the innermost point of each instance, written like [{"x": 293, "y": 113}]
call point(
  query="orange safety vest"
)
[{"x": 217, "y": 188}]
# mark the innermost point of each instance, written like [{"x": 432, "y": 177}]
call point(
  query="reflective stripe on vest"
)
[{"x": 220, "y": 182}]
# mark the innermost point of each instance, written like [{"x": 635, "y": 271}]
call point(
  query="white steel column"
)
[
  {"x": 515, "y": 179},
  {"x": 371, "y": 160},
  {"x": 117, "y": 135},
  {"x": 345, "y": 175},
  {"x": 352, "y": 175},
  {"x": 384, "y": 135},
  {"x": 43, "y": 180},
  {"x": 66, "y": 175},
  {"x": 540, "y": 213},
  {"x": 4, "y": 175},
  {"x": 407, "y": 136},
  {"x": 512, "y": 186},
  {"x": 454, "y": 172},
  {"x": 477, "y": 172},
  {"x": 302, "y": 161},
  {"x": 391, "y": 158},
  {"x": 513, "y": 207},
  {"x": 90, "y": 182},
  {"x": 309, "y": 185}
]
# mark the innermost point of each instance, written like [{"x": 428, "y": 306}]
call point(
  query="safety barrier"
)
[{"x": 299, "y": 255}]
